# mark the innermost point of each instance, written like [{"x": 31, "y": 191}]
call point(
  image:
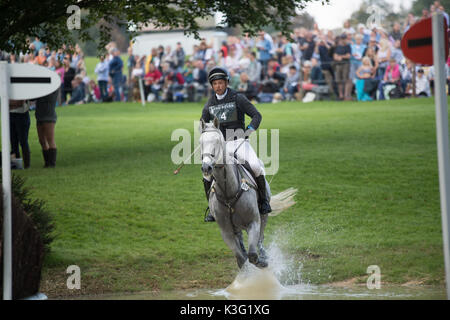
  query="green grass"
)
[{"x": 368, "y": 195}]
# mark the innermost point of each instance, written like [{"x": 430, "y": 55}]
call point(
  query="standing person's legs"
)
[
  {"x": 13, "y": 135},
  {"x": 348, "y": 82},
  {"x": 23, "y": 128},
  {"x": 46, "y": 134},
  {"x": 117, "y": 88},
  {"x": 45, "y": 123},
  {"x": 43, "y": 142},
  {"x": 49, "y": 134},
  {"x": 103, "y": 89},
  {"x": 340, "y": 80}
]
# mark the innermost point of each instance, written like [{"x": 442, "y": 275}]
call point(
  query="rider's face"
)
[{"x": 219, "y": 86}]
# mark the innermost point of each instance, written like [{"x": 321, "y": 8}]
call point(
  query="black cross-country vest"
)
[{"x": 227, "y": 112}]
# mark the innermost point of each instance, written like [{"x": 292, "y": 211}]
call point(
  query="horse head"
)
[{"x": 212, "y": 146}]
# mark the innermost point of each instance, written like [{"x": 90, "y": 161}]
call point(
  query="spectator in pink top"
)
[
  {"x": 392, "y": 73},
  {"x": 391, "y": 77}
]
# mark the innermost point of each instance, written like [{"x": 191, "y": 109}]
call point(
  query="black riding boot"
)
[
  {"x": 52, "y": 157},
  {"x": 264, "y": 204},
  {"x": 45, "y": 154},
  {"x": 207, "y": 185}
]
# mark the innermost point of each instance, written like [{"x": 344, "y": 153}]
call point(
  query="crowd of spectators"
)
[{"x": 351, "y": 64}]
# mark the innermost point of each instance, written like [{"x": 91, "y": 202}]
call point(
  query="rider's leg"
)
[
  {"x": 246, "y": 153},
  {"x": 207, "y": 185},
  {"x": 264, "y": 195}
]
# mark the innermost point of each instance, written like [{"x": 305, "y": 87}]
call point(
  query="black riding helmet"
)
[{"x": 218, "y": 73}]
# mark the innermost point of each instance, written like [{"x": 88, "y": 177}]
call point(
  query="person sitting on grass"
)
[
  {"x": 422, "y": 84},
  {"x": 247, "y": 88},
  {"x": 391, "y": 77},
  {"x": 78, "y": 93},
  {"x": 152, "y": 81},
  {"x": 291, "y": 84}
]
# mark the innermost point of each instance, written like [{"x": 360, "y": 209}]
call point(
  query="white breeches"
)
[{"x": 244, "y": 153}]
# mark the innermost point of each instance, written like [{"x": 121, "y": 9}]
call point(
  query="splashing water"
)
[{"x": 270, "y": 283}]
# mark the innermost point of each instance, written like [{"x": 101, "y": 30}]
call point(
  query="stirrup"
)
[{"x": 208, "y": 216}]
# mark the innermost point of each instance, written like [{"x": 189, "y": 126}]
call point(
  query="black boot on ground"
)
[
  {"x": 207, "y": 185},
  {"x": 51, "y": 158},
  {"x": 45, "y": 154},
  {"x": 264, "y": 204}
]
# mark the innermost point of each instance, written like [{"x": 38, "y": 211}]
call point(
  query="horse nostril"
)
[{"x": 206, "y": 168}]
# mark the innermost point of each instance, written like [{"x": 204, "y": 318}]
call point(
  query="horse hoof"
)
[
  {"x": 262, "y": 264},
  {"x": 253, "y": 258}
]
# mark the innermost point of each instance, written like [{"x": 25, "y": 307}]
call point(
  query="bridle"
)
[
  {"x": 229, "y": 202},
  {"x": 222, "y": 148}
]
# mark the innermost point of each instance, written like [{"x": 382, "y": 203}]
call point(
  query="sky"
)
[{"x": 334, "y": 14}]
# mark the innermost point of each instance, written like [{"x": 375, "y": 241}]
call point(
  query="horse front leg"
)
[
  {"x": 235, "y": 243},
  {"x": 253, "y": 242}
]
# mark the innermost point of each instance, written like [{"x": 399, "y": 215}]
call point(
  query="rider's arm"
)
[
  {"x": 250, "y": 110},
  {"x": 206, "y": 116}
]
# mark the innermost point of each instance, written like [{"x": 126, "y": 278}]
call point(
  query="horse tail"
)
[{"x": 282, "y": 201}]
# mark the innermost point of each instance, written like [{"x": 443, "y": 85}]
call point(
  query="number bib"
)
[{"x": 226, "y": 112}]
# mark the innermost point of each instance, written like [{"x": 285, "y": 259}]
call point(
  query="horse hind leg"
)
[{"x": 262, "y": 251}]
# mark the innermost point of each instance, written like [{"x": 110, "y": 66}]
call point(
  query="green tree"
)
[{"x": 47, "y": 19}]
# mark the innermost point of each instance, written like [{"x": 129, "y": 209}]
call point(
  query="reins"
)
[{"x": 226, "y": 201}]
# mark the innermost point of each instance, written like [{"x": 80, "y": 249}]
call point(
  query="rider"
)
[{"x": 230, "y": 107}]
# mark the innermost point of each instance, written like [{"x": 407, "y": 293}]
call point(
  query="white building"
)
[{"x": 152, "y": 37}]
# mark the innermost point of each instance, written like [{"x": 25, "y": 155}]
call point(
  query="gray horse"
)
[{"x": 233, "y": 199}]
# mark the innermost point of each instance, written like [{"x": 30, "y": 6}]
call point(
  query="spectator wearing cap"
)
[{"x": 341, "y": 57}]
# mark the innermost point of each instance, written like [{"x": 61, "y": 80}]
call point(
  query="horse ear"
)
[
  {"x": 216, "y": 122},
  {"x": 202, "y": 125}
]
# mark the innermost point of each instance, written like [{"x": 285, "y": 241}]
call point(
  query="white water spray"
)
[{"x": 270, "y": 283}]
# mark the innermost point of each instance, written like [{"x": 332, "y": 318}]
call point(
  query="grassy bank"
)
[{"x": 368, "y": 195}]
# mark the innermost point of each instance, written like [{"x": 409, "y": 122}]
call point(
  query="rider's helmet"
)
[{"x": 218, "y": 73}]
